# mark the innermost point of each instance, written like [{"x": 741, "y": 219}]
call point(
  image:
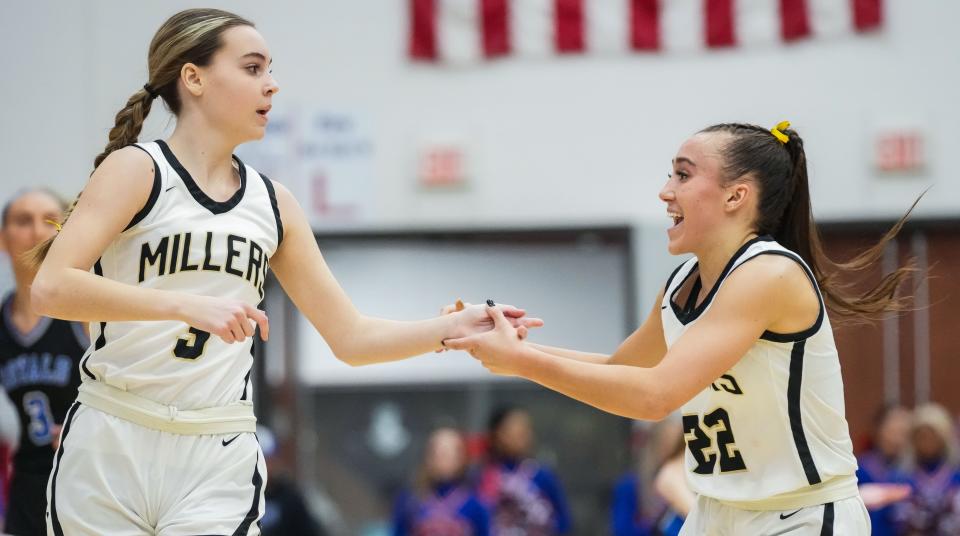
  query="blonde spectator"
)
[{"x": 934, "y": 506}]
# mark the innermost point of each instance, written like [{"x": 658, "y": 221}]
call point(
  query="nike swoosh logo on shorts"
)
[
  {"x": 225, "y": 442},
  {"x": 788, "y": 515}
]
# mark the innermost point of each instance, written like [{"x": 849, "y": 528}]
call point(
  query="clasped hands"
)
[{"x": 492, "y": 334}]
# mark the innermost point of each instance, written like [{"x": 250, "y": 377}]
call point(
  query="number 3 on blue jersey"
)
[{"x": 40, "y": 428}]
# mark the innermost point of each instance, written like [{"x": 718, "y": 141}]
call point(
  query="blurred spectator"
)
[
  {"x": 671, "y": 486},
  {"x": 39, "y": 361},
  {"x": 285, "y": 510},
  {"x": 934, "y": 506},
  {"x": 626, "y": 518},
  {"x": 881, "y": 468},
  {"x": 441, "y": 503},
  {"x": 524, "y": 496},
  {"x": 643, "y": 499},
  {"x": 634, "y": 501}
]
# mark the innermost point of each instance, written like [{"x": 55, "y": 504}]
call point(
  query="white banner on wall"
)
[{"x": 324, "y": 157}]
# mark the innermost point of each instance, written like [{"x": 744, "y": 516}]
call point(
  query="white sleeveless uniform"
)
[
  {"x": 148, "y": 436},
  {"x": 769, "y": 436}
]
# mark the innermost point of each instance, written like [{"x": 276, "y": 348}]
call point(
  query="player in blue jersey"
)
[{"x": 39, "y": 359}]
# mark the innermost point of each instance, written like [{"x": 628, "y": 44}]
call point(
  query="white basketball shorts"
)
[
  {"x": 709, "y": 517},
  {"x": 111, "y": 476}
]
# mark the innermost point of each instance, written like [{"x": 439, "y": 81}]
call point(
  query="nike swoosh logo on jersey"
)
[
  {"x": 170, "y": 188},
  {"x": 788, "y": 515},
  {"x": 663, "y": 307},
  {"x": 225, "y": 442}
]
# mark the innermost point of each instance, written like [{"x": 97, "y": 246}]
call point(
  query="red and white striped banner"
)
[{"x": 466, "y": 31}]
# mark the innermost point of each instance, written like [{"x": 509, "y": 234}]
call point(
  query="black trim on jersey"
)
[
  {"x": 246, "y": 379},
  {"x": 691, "y": 304},
  {"x": 677, "y": 309},
  {"x": 253, "y": 349},
  {"x": 254, "y": 512},
  {"x": 102, "y": 338},
  {"x": 55, "y": 521},
  {"x": 827, "y": 528},
  {"x": 685, "y": 317},
  {"x": 216, "y": 207},
  {"x": 273, "y": 203},
  {"x": 809, "y": 332},
  {"x": 154, "y": 193},
  {"x": 794, "y": 386},
  {"x": 674, "y": 274}
]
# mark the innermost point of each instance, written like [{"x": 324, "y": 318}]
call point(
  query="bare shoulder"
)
[
  {"x": 286, "y": 201},
  {"x": 122, "y": 181},
  {"x": 777, "y": 285},
  {"x": 296, "y": 227},
  {"x": 774, "y": 270},
  {"x": 281, "y": 190},
  {"x": 130, "y": 160},
  {"x": 118, "y": 189},
  {"x": 770, "y": 278}
]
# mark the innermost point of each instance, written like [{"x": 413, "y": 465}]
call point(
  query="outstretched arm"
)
[
  {"x": 645, "y": 347},
  {"x": 355, "y": 338},
  {"x": 753, "y": 299}
]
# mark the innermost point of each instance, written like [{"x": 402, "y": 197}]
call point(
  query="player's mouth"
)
[
  {"x": 262, "y": 112},
  {"x": 676, "y": 217}
]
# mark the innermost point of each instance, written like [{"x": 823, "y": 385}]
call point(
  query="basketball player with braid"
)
[
  {"x": 165, "y": 254},
  {"x": 739, "y": 340}
]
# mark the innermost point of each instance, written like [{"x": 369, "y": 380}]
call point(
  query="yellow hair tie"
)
[
  {"x": 776, "y": 131},
  {"x": 55, "y": 224}
]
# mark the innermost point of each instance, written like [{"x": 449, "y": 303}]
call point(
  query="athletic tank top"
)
[
  {"x": 184, "y": 241},
  {"x": 40, "y": 374},
  {"x": 774, "y": 423}
]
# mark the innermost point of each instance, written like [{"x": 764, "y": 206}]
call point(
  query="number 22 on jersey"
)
[{"x": 702, "y": 448}]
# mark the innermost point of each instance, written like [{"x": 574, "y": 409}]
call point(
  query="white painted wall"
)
[
  {"x": 556, "y": 141},
  {"x": 578, "y": 286}
]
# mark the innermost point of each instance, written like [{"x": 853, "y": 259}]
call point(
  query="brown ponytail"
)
[
  {"x": 190, "y": 36},
  {"x": 784, "y": 212}
]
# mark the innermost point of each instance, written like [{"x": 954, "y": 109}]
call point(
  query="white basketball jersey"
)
[
  {"x": 185, "y": 241},
  {"x": 774, "y": 423}
]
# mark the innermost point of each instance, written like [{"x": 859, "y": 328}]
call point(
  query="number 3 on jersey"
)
[
  {"x": 190, "y": 344},
  {"x": 701, "y": 446},
  {"x": 37, "y": 406}
]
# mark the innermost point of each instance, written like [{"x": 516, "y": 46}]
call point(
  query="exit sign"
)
[
  {"x": 899, "y": 151},
  {"x": 442, "y": 166}
]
